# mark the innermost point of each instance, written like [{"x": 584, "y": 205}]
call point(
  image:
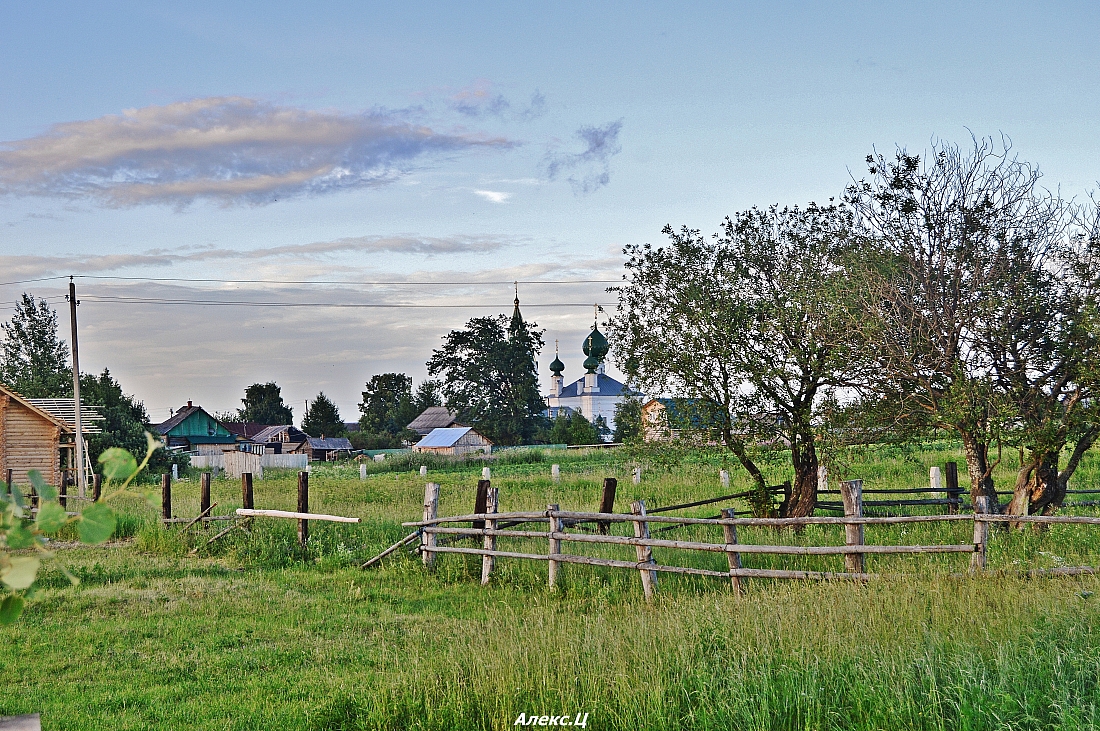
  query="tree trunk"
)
[
  {"x": 1037, "y": 486},
  {"x": 980, "y": 471},
  {"x": 804, "y": 486},
  {"x": 761, "y": 504}
]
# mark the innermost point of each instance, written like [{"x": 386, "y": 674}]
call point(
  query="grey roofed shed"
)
[
  {"x": 454, "y": 440},
  {"x": 433, "y": 417}
]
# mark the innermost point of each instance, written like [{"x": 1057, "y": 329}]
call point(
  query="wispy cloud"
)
[
  {"x": 495, "y": 196},
  {"x": 589, "y": 169},
  {"x": 37, "y": 266},
  {"x": 225, "y": 149},
  {"x": 482, "y": 100}
]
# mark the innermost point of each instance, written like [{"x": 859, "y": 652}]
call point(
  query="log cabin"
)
[{"x": 31, "y": 438}]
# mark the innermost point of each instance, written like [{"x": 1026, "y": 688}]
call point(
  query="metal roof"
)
[
  {"x": 444, "y": 437},
  {"x": 65, "y": 409},
  {"x": 338, "y": 443},
  {"x": 269, "y": 434},
  {"x": 608, "y": 387}
]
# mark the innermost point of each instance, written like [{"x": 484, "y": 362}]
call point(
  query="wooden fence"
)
[{"x": 486, "y": 525}]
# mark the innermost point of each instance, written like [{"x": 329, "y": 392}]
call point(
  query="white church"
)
[{"x": 593, "y": 395}]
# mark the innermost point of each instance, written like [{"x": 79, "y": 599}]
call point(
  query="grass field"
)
[{"x": 256, "y": 633}]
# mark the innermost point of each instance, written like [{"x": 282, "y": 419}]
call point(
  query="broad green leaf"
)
[
  {"x": 11, "y": 608},
  {"x": 47, "y": 492},
  {"x": 3, "y": 488},
  {"x": 51, "y": 518},
  {"x": 19, "y": 536},
  {"x": 20, "y": 572},
  {"x": 97, "y": 523},
  {"x": 18, "y": 501},
  {"x": 118, "y": 464},
  {"x": 152, "y": 498}
]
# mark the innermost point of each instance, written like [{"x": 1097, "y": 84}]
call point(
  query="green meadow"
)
[{"x": 255, "y": 632}]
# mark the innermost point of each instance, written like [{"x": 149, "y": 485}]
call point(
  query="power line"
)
[
  {"x": 27, "y": 281},
  {"x": 352, "y": 305},
  {"x": 339, "y": 281}
]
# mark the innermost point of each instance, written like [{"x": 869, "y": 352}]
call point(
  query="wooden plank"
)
[
  {"x": 166, "y": 496},
  {"x": 303, "y": 507},
  {"x": 403, "y": 542},
  {"x": 204, "y": 493},
  {"x": 244, "y": 513},
  {"x": 981, "y": 535},
  {"x": 200, "y": 516},
  {"x": 607, "y": 501},
  {"x": 431, "y": 508}
]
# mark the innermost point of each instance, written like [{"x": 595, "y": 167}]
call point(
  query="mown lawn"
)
[{"x": 255, "y": 633}]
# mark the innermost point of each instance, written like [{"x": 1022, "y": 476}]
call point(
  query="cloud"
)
[
  {"x": 481, "y": 100},
  {"x": 591, "y": 168},
  {"x": 224, "y": 149},
  {"x": 37, "y": 266},
  {"x": 493, "y": 195}
]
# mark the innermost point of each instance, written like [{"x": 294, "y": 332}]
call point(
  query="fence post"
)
[
  {"x": 555, "y": 473},
  {"x": 734, "y": 558},
  {"x": 175, "y": 471},
  {"x": 486, "y": 473},
  {"x": 851, "y": 491},
  {"x": 644, "y": 553},
  {"x": 822, "y": 478},
  {"x": 303, "y": 507},
  {"x": 166, "y": 496},
  {"x": 97, "y": 487},
  {"x": 607, "y": 501},
  {"x": 423, "y": 470},
  {"x": 204, "y": 493},
  {"x": 479, "y": 501},
  {"x": 431, "y": 509},
  {"x": 63, "y": 490},
  {"x": 951, "y": 473},
  {"x": 637, "y": 475},
  {"x": 981, "y": 535},
  {"x": 362, "y": 471},
  {"x": 490, "y": 543},
  {"x": 246, "y": 491},
  {"x": 724, "y": 478},
  {"x": 555, "y": 544}
]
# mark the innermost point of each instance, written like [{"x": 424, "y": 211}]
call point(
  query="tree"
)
[
  {"x": 124, "y": 425},
  {"x": 748, "y": 326},
  {"x": 263, "y": 404},
  {"x": 950, "y": 239},
  {"x": 34, "y": 362},
  {"x": 387, "y": 406},
  {"x": 628, "y": 420},
  {"x": 489, "y": 377},
  {"x": 573, "y": 428},
  {"x": 427, "y": 395},
  {"x": 322, "y": 418}
]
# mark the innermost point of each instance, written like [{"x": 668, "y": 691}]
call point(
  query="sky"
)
[{"x": 408, "y": 162}]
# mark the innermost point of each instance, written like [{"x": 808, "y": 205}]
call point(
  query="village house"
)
[
  {"x": 433, "y": 417},
  {"x": 454, "y": 441},
  {"x": 38, "y": 437},
  {"x": 194, "y": 430},
  {"x": 323, "y": 449},
  {"x": 282, "y": 439}
]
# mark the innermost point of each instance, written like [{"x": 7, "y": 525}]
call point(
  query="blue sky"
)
[{"x": 473, "y": 144}]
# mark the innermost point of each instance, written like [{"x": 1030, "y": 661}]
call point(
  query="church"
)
[{"x": 595, "y": 394}]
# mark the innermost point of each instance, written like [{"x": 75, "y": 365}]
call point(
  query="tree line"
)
[{"x": 944, "y": 293}]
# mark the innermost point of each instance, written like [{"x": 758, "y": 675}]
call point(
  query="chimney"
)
[{"x": 188, "y": 403}]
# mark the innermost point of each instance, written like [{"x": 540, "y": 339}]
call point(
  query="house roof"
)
[
  {"x": 268, "y": 434},
  {"x": 608, "y": 387},
  {"x": 177, "y": 418},
  {"x": 444, "y": 437},
  {"x": 64, "y": 409},
  {"x": 65, "y": 426},
  {"x": 330, "y": 443},
  {"x": 246, "y": 429},
  {"x": 433, "y": 417}
]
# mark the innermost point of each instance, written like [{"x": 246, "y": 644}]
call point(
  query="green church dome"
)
[
  {"x": 556, "y": 366},
  {"x": 591, "y": 363},
  {"x": 595, "y": 345}
]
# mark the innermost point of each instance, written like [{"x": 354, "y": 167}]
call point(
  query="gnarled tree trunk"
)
[
  {"x": 804, "y": 486},
  {"x": 980, "y": 471}
]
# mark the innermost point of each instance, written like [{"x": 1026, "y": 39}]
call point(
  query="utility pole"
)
[{"x": 81, "y": 478}]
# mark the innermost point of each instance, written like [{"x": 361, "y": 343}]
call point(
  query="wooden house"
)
[
  {"x": 433, "y": 417},
  {"x": 455, "y": 441},
  {"x": 31, "y": 438},
  {"x": 193, "y": 429},
  {"x": 282, "y": 439},
  {"x": 324, "y": 449}
]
